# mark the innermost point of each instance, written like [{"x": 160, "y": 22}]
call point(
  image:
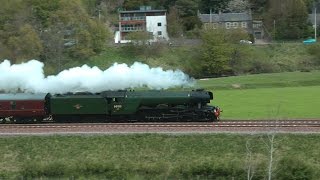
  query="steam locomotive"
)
[{"x": 108, "y": 106}]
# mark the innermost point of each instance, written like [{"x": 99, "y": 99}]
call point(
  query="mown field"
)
[
  {"x": 150, "y": 156},
  {"x": 289, "y": 95}
]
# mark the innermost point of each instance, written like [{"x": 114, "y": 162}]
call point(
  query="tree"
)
[
  {"x": 187, "y": 10},
  {"x": 258, "y": 7},
  {"x": 140, "y": 44},
  {"x": 87, "y": 36},
  {"x": 238, "y": 6},
  {"x": 42, "y": 10},
  {"x": 26, "y": 45},
  {"x": 54, "y": 46},
  {"x": 175, "y": 28},
  {"x": 249, "y": 161},
  {"x": 134, "y": 4},
  {"x": 271, "y": 149},
  {"x": 287, "y": 19},
  {"x": 214, "y": 5},
  {"x": 216, "y": 52},
  {"x": 222, "y": 53}
]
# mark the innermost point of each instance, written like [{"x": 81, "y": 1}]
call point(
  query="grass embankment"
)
[
  {"x": 267, "y": 96},
  {"x": 214, "y": 156},
  {"x": 269, "y": 58}
]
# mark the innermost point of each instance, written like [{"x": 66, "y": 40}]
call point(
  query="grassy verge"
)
[
  {"x": 287, "y": 95},
  {"x": 270, "y": 103},
  {"x": 219, "y": 156},
  {"x": 286, "y": 79}
]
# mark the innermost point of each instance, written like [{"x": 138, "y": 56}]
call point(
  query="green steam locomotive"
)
[{"x": 109, "y": 106}]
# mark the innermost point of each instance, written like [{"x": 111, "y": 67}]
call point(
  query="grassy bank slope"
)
[
  {"x": 272, "y": 80},
  {"x": 215, "y": 156},
  {"x": 263, "y": 96},
  {"x": 270, "y": 103}
]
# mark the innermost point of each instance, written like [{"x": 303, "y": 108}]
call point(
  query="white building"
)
[{"x": 145, "y": 19}]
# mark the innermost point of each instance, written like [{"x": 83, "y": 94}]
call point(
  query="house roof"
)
[
  {"x": 224, "y": 17},
  {"x": 142, "y": 11}
]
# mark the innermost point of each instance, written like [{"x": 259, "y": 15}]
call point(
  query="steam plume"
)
[{"x": 29, "y": 77}]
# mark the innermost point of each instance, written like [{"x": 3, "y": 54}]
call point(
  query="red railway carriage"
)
[{"x": 23, "y": 107}]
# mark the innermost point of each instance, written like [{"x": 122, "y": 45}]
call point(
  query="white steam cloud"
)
[{"x": 29, "y": 77}]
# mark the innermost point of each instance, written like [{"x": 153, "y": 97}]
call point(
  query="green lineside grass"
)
[
  {"x": 286, "y": 79},
  {"x": 150, "y": 156},
  {"x": 269, "y": 103},
  {"x": 287, "y": 95}
]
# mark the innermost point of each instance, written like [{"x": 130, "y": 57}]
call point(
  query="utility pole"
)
[
  {"x": 274, "y": 29},
  {"x": 315, "y": 23},
  {"x": 99, "y": 15}
]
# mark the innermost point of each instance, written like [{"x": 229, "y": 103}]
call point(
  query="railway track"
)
[
  {"x": 244, "y": 126},
  {"x": 237, "y": 123}
]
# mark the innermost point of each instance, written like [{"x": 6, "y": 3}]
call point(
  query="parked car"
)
[
  {"x": 309, "y": 41},
  {"x": 245, "y": 41}
]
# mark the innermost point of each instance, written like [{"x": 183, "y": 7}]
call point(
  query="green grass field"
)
[
  {"x": 270, "y": 103},
  {"x": 151, "y": 156},
  {"x": 267, "y": 96}
]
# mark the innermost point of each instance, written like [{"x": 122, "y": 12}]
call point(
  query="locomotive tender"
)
[{"x": 108, "y": 106}]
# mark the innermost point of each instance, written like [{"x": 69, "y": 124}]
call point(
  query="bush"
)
[
  {"x": 294, "y": 167},
  {"x": 314, "y": 51}
]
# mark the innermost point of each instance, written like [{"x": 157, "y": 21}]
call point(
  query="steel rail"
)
[{"x": 238, "y": 123}]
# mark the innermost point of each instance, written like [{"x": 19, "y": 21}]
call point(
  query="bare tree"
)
[
  {"x": 249, "y": 161},
  {"x": 270, "y": 142}
]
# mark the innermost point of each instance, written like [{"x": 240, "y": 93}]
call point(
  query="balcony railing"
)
[
  {"x": 128, "y": 29},
  {"x": 143, "y": 18}
]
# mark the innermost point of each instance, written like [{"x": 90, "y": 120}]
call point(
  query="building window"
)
[
  {"x": 159, "y": 24},
  {"x": 228, "y": 25},
  {"x": 244, "y": 24},
  {"x": 235, "y": 25},
  {"x": 207, "y": 26},
  {"x": 211, "y": 25},
  {"x": 215, "y": 25},
  {"x": 159, "y": 33}
]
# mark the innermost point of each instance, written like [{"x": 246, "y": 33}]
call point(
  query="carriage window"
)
[{"x": 13, "y": 104}]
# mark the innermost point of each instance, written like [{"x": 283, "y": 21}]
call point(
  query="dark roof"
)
[
  {"x": 22, "y": 96},
  {"x": 142, "y": 11},
  {"x": 224, "y": 17}
]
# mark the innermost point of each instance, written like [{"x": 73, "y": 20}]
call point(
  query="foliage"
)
[
  {"x": 219, "y": 50},
  {"x": 26, "y": 44},
  {"x": 295, "y": 168},
  {"x": 51, "y": 30},
  {"x": 42, "y": 10},
  {"x": 238, "y": 6},
  {"x": 258, "y": 7},
  {"x": 314, "y": 51},
  {"x": 187, "y": 10},
  {"x": 174, "y": 27},
  {"x": 214, "y": 5},
  {"x": 287, "y": 20}
]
